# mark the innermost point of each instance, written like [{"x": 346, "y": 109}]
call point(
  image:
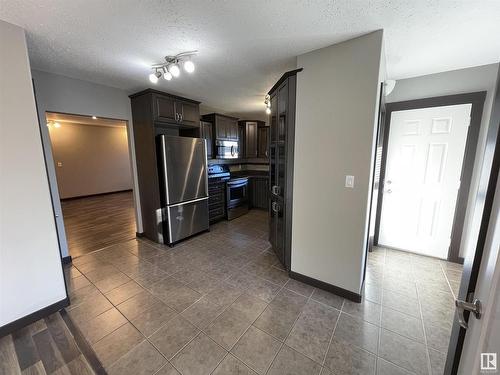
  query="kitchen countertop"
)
[{"x": 250, "y": 174}]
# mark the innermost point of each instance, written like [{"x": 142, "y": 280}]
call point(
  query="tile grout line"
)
[
  {"x": 429, "y": 367},
  {"x": 282, "y": 343},
  {"x": 381, "y": 313},
  {"x": 147, "y": 259},
  {"x": 323, "y": 364}
]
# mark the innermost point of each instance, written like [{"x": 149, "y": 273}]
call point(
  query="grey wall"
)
[
  {"x": 31, "y": 276},
  {"x": 337, "y": 106},
  {"x": 55, "y": 93},
  {"x": 90, "y": 159},
  {"x": 481, "y": 78}
]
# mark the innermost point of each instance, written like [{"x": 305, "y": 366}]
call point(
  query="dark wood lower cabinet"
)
[
  {"x": 216, "y": 201},
  {"x": 259, "y": 192}
]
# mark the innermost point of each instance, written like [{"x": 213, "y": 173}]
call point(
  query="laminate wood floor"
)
[
  {"x": 93, "y": 223},
  {"x": 44, "y": 347}
]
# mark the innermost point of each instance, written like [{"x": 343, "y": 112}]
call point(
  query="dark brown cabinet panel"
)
[
  {"x": 190, "y": 113},
  {"x": 225, "y": 127},
  {"x": 175, "y": 110},
  {"x": 282, "y": 134},
  {"x": 216, "y": 201},
  {"x": 263, "y": 142},
  {"x": 229, "y": 128},
  {"x": 241, "y": 141},
  {"x": 274, "y": 117},
  {"x": 259, "y": 192},
  {"x": 248, "y": 139},
  {"x": 207, "y": 134},
  {"x": 164, "y": 108},
  {"x": 251, "y": 150},
  {"x": 250, "y": 142}
]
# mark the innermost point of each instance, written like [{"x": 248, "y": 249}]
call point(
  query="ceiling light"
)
[
  {"x": 57, "y": 125},
  {"x": 167, "y": 75},
  {"x": 94, "y": 118},
  {"x": 267, "y": 102},
  {"x": 153, "y": 78},
  {"x": 189, "y": 66},
  {"x": 170, "y": 68},
  {"x": 174, "y": 69}
]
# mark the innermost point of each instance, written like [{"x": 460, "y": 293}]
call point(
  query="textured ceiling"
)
[{"x": 244, "y": 45}]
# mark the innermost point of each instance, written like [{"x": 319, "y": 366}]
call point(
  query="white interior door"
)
[{"x": 424, "y": 162}]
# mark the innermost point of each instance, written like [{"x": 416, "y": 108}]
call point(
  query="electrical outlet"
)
[
  {"x": 59, "y": 164},
  {"x": 349, "y": 181}
]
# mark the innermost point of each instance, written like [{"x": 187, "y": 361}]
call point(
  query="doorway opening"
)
[
  {"x": 94, "y": 180},
  {"x": 429, "y": 149},
  {"x": 414, "y": 269}
]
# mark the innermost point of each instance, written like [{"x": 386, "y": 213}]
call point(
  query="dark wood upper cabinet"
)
[
  {"x": 171, "y": 109},
  {"x": 190, "y": 113},
  {"x": 241, "y": 140},
  {"x": 225, "y": 127},
  {"x": 263, "y": 142},
  {"x": 164, "y": 108},
  {"x": 249, "y": 139}
]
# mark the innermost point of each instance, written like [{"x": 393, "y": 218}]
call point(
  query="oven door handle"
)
[{"x": 237, "y": 184}]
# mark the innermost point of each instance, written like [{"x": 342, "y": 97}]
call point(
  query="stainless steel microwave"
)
[{"x": 226, "y": 149}]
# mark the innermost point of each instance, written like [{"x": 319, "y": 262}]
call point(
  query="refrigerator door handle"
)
[
  {"x": 165, "y": 174},
  {"x": 186, "y": 202}
]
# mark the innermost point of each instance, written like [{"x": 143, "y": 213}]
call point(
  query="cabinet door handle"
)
[{"x": 275, "y": 207}]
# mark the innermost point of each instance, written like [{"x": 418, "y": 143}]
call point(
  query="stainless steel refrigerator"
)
[{"x": 183, "y": 187}]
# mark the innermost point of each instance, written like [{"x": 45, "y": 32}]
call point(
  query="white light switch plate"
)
[{"x": 349, "y": 181}]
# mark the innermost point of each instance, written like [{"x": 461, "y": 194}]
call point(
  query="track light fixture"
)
[
  {"x": 171, "y": 67},
  {"x": 267, "y": 102}
]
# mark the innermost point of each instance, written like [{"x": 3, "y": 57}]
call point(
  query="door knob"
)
[
  {"x": 389, "y": 191},
  {"x": 474, "y": 307}
]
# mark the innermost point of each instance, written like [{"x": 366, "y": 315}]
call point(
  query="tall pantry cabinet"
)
[{"x": 282, "y": 134}]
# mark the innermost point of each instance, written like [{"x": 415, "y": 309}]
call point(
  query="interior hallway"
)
[
  {"x": 92, "y": 223},
  {"x": 221, "y": 303}
]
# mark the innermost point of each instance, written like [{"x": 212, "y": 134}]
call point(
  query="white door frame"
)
[{"x": 477, "y": 101}]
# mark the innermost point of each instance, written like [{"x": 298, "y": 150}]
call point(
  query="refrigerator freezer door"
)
[
  {"x": 184, "y": 168},
  {"x": 186, "y": 219}
]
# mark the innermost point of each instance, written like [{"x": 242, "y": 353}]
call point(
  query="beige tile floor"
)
[{"x": 222, "y": 304}]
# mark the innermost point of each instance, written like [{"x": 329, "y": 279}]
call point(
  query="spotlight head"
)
[
  {"x": 153, "y": 78},
  {"x": 189, "y": 66},
  {"x": 174, "y": 70},
  {"x": 167, "y": 75}
]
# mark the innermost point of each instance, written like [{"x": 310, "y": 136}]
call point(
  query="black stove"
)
[
  {"x": 227, "y": 197},
  {"x": 218, "y": 172}
]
